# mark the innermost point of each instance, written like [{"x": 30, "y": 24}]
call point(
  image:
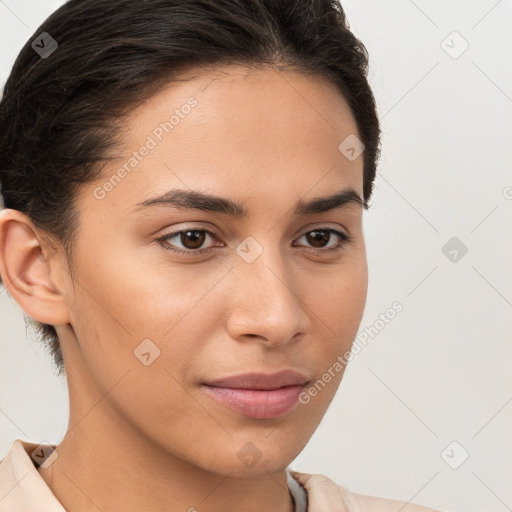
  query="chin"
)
[{"x": 247, "y": 459}]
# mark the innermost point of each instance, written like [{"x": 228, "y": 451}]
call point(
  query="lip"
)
[
  {"x": 256, "y": 380},
  {"x": 258, "y": 395}
]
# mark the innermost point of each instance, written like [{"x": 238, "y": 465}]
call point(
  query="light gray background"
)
[{"x": 437, "y": 373}]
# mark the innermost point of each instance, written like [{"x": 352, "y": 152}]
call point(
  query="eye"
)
[
  {"x": 192, "y": 240},
  {"x": 318, "y": 236}
]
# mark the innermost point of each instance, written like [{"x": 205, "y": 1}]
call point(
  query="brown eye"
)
[
  {"x": 319, "y": 238},
  {"x": 191, "y": 241}
]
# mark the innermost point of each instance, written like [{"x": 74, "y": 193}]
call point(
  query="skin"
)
[{"x": 266, "y": 139}]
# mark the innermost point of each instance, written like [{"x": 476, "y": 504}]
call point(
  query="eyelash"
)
[{"x": 345, "y": 239}]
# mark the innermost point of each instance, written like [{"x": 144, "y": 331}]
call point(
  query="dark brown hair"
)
[{"x": 59, "y": 115}]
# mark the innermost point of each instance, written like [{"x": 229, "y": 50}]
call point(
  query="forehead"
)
[
  {"x": 235, "y": 131},
  {"x": 235, "y": 104},
  {"x": 253, "y": 90}
]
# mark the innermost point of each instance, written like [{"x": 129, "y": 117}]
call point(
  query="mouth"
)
[{"x": 258, "y": 395}]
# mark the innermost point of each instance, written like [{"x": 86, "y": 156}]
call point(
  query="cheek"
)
[
  {"x": 337, "y": 303},
  {"x": 137, "y": 293},
  {"x": 136, "y": 369},
  {"x": 134, "y": 312},
  {"x": 340, "y": 309},
  {"x": 340, "y": 297}
]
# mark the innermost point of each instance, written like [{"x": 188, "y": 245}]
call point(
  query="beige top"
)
[{"x": 22, "y": 489}]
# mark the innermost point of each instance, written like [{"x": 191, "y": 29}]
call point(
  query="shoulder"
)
[{"x": 326, "y": 495}]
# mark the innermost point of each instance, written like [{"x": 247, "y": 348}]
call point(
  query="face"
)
[{"x": 155, "y": 314}]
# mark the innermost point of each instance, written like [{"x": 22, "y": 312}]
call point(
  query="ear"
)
[{"x": 36, "y": 285}]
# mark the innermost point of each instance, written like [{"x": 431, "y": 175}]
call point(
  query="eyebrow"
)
[{"x": 191, "y": 199}]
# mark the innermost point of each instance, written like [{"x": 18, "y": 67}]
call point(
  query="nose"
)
[{"x": 266, "y": 302}]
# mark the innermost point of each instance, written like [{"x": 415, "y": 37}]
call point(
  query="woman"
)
[{"x": 184, "y": 184}]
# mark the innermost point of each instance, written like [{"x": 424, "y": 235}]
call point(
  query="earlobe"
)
[{"x": 26, "y": 271}]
